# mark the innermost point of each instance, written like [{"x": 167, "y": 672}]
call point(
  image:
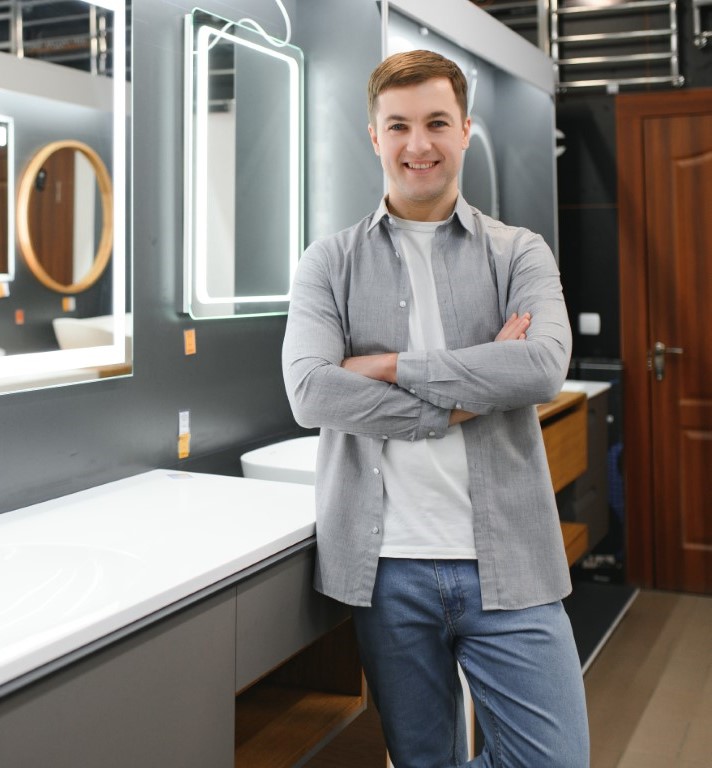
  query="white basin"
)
[
  {"x": 291, "y": 461},
  {"x": 62, "y": 585},
  {"x": 80, "y": 332}
]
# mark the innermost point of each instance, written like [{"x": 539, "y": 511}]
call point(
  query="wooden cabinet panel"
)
[{"x": 563, "y": 424}]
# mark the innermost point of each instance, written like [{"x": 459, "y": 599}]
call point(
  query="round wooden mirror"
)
[{"x": 65, "y": 216}]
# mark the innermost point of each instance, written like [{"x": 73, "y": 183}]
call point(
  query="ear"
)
[
  {"x": 374, "y": 139},
  {"x": 466, "y": 132}
]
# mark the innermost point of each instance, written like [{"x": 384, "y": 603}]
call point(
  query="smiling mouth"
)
[{"x": 420, "y": 166}]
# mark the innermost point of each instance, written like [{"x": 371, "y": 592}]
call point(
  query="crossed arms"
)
[
  {"x": 384, "y": 367},
  {"x": 416, "y": 395}
]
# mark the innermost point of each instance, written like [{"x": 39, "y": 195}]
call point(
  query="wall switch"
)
[
  {"x": 183, "y": 422},
  {"x": 589, "y": 323}
]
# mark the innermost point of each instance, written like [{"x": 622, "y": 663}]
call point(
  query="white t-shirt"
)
[{"x": 427, "y": 510}]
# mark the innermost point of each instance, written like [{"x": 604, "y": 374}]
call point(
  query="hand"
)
[
  {"x": 457, "y": 416},
  {"x": 515, "y": 328},
  {"x": 379, "y": 367}
]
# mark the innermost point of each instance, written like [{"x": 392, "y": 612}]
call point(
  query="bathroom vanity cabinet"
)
[
  {"x": 166, "y": 695},
  {"x": 169, "y": 619},
  {"x": 162, "y": 697},
  {"x": 586, "y": 499}
]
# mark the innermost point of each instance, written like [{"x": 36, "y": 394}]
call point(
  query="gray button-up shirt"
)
[{"x": 351, "y": 296}]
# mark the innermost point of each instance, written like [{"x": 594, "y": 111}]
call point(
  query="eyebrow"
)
[{"x": 431, "y": 116}]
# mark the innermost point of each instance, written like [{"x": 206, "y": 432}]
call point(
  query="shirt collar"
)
[{"x": 462, "y": 211}]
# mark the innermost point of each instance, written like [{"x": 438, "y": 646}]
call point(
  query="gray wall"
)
[{"x": 58, "y": 441}]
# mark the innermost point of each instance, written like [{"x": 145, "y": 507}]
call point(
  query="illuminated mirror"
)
[
  {"x": 243, "y": 207},
  {"x": 7, "y": 198},
  {"x": 66, "y": 317}
]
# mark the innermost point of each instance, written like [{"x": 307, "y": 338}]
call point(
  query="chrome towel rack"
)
[{"x": 623, "y": 44}]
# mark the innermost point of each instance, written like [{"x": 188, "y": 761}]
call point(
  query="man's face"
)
[{"x": 419, "y": 136}]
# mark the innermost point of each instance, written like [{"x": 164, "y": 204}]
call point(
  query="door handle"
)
[{"x": 656, "y": 358}]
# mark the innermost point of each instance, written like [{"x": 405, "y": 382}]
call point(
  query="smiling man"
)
[{"x": 419, "y": 341}]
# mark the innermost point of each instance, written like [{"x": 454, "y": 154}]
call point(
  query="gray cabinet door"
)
[
  {"x": 278, "y": 615},
  {"x": 158, "y": 699}
]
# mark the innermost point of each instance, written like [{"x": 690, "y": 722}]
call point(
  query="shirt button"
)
[
  {"x": 412, "y": 391},
  {"x": 376, "y": 471},
  {"x": 374, "y": 529},
  {"x": 458, "y": 406},
  {"x": 431, "y": 433},
  {"x": 384, "y": 437},
  {"x": 397, "y": 255},
  {"x": 401, "y": 303}
]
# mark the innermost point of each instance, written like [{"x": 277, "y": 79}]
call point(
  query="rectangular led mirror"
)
[
  {"x": 243, "y": 170},
  {"x": 64, "y": 311}
]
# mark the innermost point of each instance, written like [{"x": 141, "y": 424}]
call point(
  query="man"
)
[{"x": 436, "y": 518}]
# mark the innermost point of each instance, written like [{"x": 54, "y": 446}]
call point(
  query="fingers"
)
[{"x": 515, "y": 328}]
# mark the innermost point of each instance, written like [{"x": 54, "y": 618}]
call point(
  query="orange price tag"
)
[
  {"x": 184, "y": 446},
  {"x": 189, "y": 341}
]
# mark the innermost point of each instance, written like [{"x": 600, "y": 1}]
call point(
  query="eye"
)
[
  {"x": 397, "y": 127},
  {"x": 438, "y": 124}
]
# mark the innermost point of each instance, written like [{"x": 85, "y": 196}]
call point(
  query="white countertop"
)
[
  {"x": 75, "y": 569},
  {"x": 589, "y": 388}
]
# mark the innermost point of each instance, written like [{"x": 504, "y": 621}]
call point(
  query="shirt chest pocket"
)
[{"x": 377, "y": 318}]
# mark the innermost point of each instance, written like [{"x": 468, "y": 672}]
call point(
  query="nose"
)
[{"x": 418, "y": 141}]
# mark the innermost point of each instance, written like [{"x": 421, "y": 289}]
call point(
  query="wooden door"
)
[{"x": 665, "y": 209}]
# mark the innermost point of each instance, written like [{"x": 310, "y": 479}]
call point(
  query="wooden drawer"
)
[{"x": 564, "y": 426}]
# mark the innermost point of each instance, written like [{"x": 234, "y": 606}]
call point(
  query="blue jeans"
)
[{"x": 522, "y": 669}]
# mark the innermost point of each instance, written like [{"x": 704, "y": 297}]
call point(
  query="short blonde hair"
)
[{"x": 414, "y": 67}]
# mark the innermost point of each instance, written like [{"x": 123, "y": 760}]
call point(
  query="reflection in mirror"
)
[
  {"x": 243, "y": 169},
  {"x": 64, "y": 211},
  {"x": 65, "y": 88},
  {"x": 7, "y": 197},
  {"x": 479, "y": 170}
]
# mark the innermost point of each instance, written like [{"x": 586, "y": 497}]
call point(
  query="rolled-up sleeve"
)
[
  {"x": 325, "y": 395},
  {"x": 503, "y": 375}
]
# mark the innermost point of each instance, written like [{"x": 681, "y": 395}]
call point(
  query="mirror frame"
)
[
  {"x": 30, "y": 364},
  {"x": 9, "y": 276},
  {"x": 199, "y": 37},
  {"x": 103, "y": 251}
]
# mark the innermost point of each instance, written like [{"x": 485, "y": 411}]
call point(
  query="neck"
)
[{"x": 422, "y": 210}]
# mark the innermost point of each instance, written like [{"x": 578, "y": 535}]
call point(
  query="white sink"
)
[
  {"x": 80, "y": 332},
  {"x": 62, "y": 584},
  {"x": 291, "y": 461}
]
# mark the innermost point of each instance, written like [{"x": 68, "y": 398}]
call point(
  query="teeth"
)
[{"x": 420, "y": 166}]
